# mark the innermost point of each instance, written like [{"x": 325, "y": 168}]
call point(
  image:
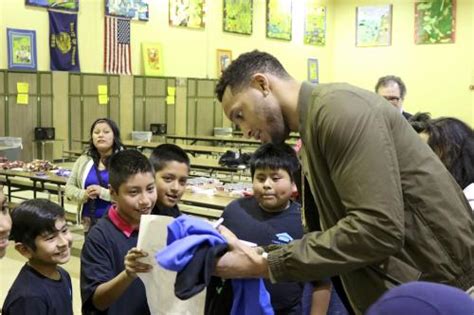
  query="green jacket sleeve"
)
[
  {"x": 353, "y": 157},
  {"x": 74, "y": 189}
]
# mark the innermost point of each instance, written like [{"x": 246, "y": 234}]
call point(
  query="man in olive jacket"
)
[{"x": 389, "y": 210}]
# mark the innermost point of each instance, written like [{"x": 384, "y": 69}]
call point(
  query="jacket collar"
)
[{"x": 303, "y": 100}]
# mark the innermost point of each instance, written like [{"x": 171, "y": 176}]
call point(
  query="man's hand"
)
[
  {"x": 241, "y": 261},
  {"x": 132, "y": 265}
]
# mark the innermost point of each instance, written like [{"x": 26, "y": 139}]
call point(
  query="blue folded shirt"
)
[{"x": 186, "y": 235}]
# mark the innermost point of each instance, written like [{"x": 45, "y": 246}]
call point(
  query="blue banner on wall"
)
[{"x": 63, "y": 44}]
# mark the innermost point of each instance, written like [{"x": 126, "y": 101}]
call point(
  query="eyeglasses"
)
[{"x": 392, "y": 98}]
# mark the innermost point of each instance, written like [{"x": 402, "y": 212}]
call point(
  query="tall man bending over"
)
[{"x": 389, "y": 210}]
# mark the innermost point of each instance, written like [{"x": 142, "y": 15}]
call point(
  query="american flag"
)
[{"x": 117, "y": 56}]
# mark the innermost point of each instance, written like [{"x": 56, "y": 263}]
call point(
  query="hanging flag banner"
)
[
  {"x": 117, "y": 55},
  {"x": 63, "y": 44}
]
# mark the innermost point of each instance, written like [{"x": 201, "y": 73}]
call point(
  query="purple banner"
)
[{"x": 63, "y": 45}]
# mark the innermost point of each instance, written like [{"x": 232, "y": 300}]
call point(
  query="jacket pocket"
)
[{"x": 396, "y": 271}]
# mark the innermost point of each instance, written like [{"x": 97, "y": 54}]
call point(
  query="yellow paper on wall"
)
[
  {"x": 22, "y": 99},
  {"x": 22, "y": 87},
  {"x": 102, "y": 89},
  {"x": 170, "y": 100},
  {"x": 103, "y": 99},
  {"x": 171, "y": 91}
]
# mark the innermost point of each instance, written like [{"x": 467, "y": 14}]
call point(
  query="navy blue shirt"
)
[
  {"x": 171, "y": 212},
  {"x": 33, "y": 293},
  {"x": 251, "y": 223},
  {"x": 102, "y": 259}
]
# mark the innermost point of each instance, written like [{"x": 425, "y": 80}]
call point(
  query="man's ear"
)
[
  {"x": 24, "y": 250},
  {"x": 261, "y": 82}
]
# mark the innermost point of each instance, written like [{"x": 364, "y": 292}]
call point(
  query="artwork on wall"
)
[
  {"x": 279, "y": 19},
  {"x": 72, "y": 5},
  {"x": 374, "y": 25},
  {"x": 224, "y": 58},
  {"x": 21, "y": 49},
  {"x": 187, "y": 13},
  {"x": 132, "y": 9},
  {"x": 435, "y": 22},
  {"x": 315, "y": 24},
  {"x": 313, "y": 70},
  {"x": 237, "y": 16},
  {"x": 152, "y": 59}
]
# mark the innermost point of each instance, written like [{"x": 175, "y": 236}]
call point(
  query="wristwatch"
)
[{"x": 261, "y": 251}]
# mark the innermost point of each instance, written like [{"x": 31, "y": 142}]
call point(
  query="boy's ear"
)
[
  {"x": 24, "y": 250},
  {"x": 113, "y": 193},
  {"x": 294, "y": 188}
]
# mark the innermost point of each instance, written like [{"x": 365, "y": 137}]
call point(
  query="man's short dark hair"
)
[
  {"x": 275, "y": 156},
  {"x": 32, "y": 218},
  {"x": 240, "y": 71},
  {"x": 165, "y": 153},
  {"x": 125, "y": 164},
  {"x": 386, "y": 80}
]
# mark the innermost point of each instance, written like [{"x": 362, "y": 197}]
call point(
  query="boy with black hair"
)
[
  {"x": 271, "y": 217},
  {"x": 42, "y": 236},
  {"x": 109, "y": 258},
  {"x": 171, "y": 165}
]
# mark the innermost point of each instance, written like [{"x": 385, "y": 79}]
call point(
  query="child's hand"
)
[{"x": 132, "y": 265}]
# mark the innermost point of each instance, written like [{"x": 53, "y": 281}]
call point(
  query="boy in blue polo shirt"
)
[
  {"x": 41, "y": 235},
  {"x": 109, "y": 264},
  {"x": 269, "y": 217},
  {"x": 171, "y": 166}
]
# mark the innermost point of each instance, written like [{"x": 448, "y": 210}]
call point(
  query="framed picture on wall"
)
[
  {"x": 133, "y": 9},
  {"x": 279, "y": 19},
  {"x": 238, "y": 16},
  {"x": 72, "y": 5},
  {"x": 152, "y": 59},
  {"x": 435, "y": 22},
  {"x": 315, "y": 24},
  {"x": 224, "y": 58},
  {"x": 189, "y": 13},
  {"x": 313, "y": 70},
  {"x": 374, "y": 25},
  {"x": 21, "y": 49}
]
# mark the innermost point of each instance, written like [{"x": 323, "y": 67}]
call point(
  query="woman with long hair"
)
[
  {"x": 453, "y": 141},
  {"x": 89, "y": 180}
]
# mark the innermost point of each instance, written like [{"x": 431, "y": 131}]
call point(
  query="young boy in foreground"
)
[
  {"x": 271, "y": 217},
  {"x": 109, "y": 265},
  {"x": 41, "y": 235}
]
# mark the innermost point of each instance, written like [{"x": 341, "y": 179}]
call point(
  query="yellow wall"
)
[
  {"x": 437, "y": 76},
  {"x": 187, "y": 52}
]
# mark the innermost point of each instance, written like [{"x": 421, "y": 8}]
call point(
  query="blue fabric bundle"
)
[{"x": 191, "y": 251}]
